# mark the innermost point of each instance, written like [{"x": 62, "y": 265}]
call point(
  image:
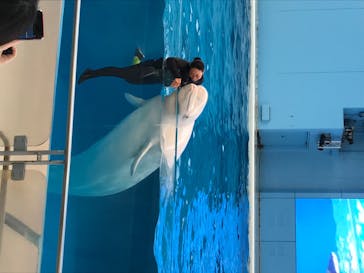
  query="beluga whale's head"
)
[
  {"x": 191, "y": 101},
  {"x": 180, "y": 116}
]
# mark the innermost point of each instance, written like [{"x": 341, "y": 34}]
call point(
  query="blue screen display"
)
[{"x": 329, "y": 235}]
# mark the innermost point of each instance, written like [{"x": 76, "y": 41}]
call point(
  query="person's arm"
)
[
  {"x": 5, "y": 58},
  {"x": 175, "y": 66}
]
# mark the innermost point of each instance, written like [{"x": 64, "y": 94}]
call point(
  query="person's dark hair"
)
[
  {"x": 15, "y": 17},
  {"x": 197, "y": 63}
]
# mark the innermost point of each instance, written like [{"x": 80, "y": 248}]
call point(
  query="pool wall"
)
[{"x": 310, "y": 78}]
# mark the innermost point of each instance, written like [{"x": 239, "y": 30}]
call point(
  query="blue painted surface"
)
[
  {"x": 58, "y": 139},
  {"x": 310, "y": 62},
  {"x": 311, "y": 76}
]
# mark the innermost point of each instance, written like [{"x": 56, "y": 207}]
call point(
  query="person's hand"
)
[
  {"x": 176, "y": 83},
  {"x": 8, "y": 55}
]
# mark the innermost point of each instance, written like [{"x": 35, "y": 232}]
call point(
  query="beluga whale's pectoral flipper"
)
[
  {"x": 133, "y": 100},
  {"x": 143, "y": 151}
]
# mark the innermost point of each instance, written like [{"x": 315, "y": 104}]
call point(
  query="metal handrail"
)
[
  {"x": 37, "y": 153},
  {"x": 33, "y": 152},
  {"x": 32, "y": 162}
]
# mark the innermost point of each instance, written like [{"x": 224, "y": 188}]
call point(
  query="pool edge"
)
[{"x": 252, "y": 128}]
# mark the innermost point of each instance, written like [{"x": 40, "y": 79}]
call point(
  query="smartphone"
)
[
  {"x": 36, "y": 30},
  {"x": 8, "y": 51}
]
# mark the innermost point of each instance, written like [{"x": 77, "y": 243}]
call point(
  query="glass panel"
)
[
  {"x": 122, "y": 216},
  {"x": 23, "y": 223}
]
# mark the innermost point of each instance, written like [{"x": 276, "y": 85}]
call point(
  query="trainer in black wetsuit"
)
[{"x": 173, "y": 72}]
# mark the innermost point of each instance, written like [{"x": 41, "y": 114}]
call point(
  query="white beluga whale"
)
[{"x": 135, "y": 147}]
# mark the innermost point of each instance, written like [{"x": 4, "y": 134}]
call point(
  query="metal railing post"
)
[{"x": 68, "y": 148}]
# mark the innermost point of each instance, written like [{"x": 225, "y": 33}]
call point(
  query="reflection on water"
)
[{"x": 349, "y": 219}]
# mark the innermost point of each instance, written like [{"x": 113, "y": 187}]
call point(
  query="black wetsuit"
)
[{"x": 148, "y": 72}]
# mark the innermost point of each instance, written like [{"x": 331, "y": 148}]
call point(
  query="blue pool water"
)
[
  {"x": 202, "y": 227},
  {"x": 202, "y": 224},
  {"x": 349, "y": 220}
]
